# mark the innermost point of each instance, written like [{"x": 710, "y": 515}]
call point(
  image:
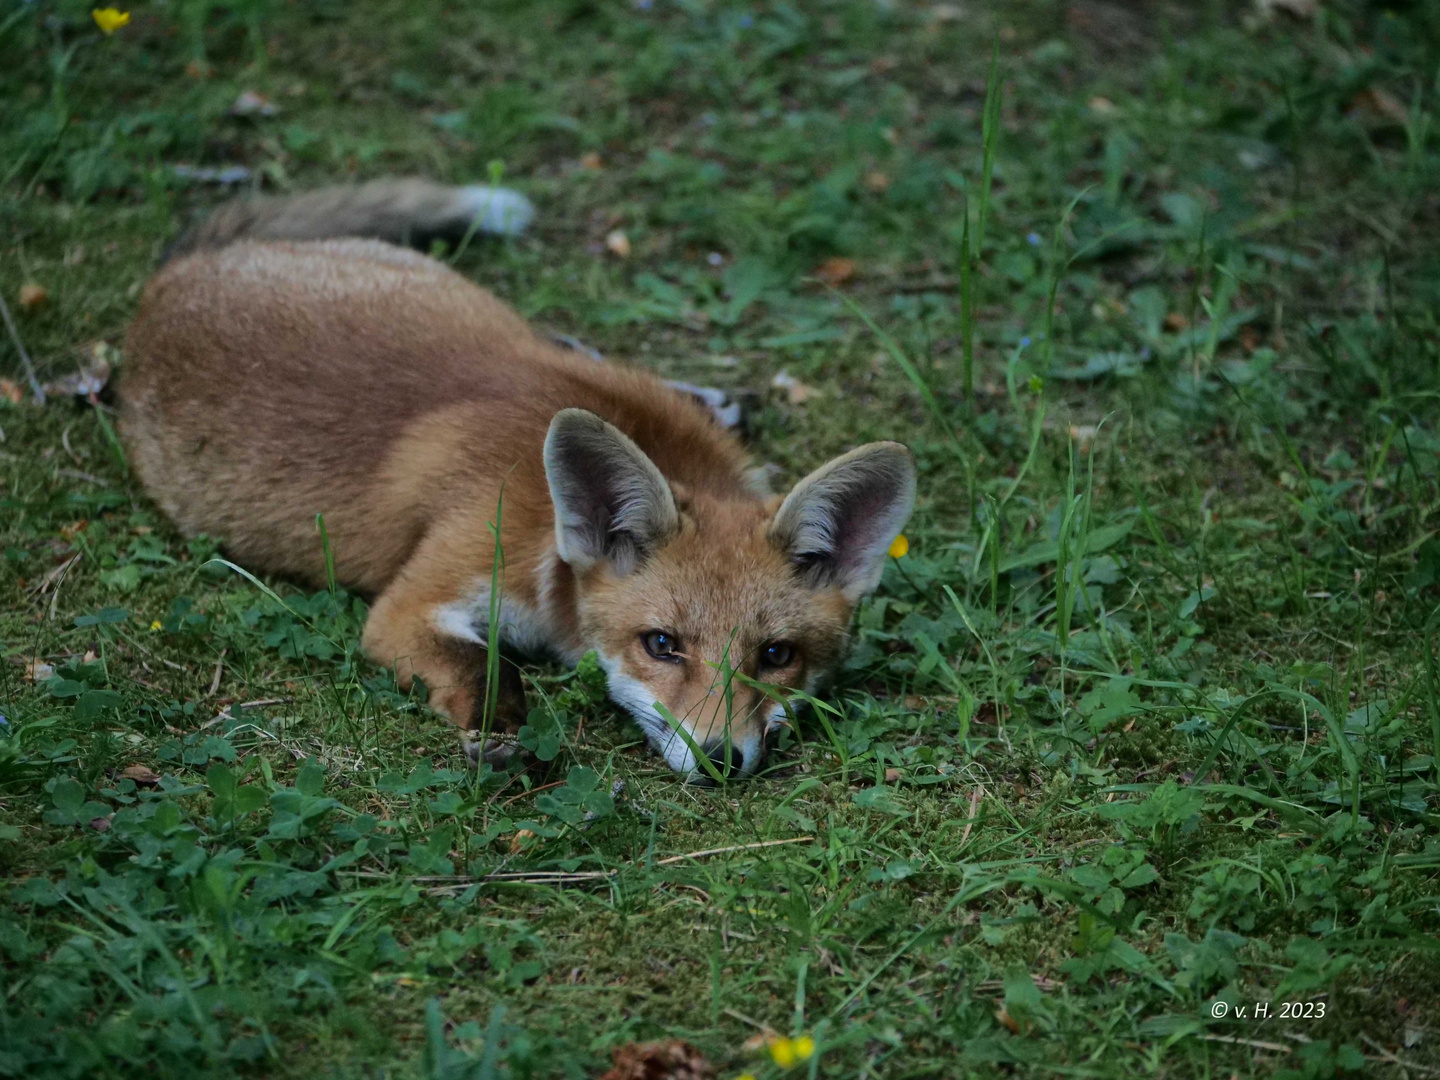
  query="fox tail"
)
[{"x": 409, "y": 212}]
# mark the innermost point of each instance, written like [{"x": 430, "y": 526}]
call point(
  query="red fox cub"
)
[{"x": 270, "y": 381}]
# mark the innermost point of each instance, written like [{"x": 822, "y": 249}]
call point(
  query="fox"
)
[{"x": 292, "y": 359}]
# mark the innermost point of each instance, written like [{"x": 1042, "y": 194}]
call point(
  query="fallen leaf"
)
[
  {"x": 253, "y": 103},
  {"x": 836, "y": 271},
  {"x": 1101, "y": 106},
  {"x": 759, "y": 1041},
  {"x": 1300, "y": 9},
  {"x": 893, "y": 775},
  {"x": 618, "y": 243},
  {"x": 521, "y": 838},
  {"x": 592, "y": 161},
  {"x": 667, "y": 1059},
  {"x": 100, "y": 824},
  {"x": 798, "y": 392},
  {"x": 32, "y": 295},
  {"x": 37, "y": 670},
  {"x": 11, "y": 391},
  {"x": 877, "y": 181},
  {"x": 1176, "y": 322},
  {"x": 1007, "y": 1020},
  {"x": 1381, "y": 103},
  {"x": 140, "y": 774}
]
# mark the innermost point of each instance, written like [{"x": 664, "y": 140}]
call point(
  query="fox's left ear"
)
[{"x": 840, "y": 521}]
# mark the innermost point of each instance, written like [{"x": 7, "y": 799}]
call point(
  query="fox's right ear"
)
[
  {"x": 611, "y": 503},
  {"x": 839, "y": 522}
]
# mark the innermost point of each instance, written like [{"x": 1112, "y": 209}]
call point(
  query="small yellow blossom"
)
[
  {"x": 787, "y": 1053},
  {"x": 110, "y": 19},
  {"x": 900, "y": 548},
  {"x": 745, "y": 1076},
  {"x": 156, "y": 625}
]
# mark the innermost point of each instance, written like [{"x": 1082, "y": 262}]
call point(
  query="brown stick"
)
[
  {"x": 726, "y": 850},
  {"x": 1259, "y": 1044}
]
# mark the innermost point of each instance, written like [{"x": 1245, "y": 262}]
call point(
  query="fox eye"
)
[
  {"x": 777, "y": 654},
  {"x": 660, "y": 645}
]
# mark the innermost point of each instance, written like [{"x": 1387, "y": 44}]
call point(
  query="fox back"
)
[{"x": 271, "y": 382}]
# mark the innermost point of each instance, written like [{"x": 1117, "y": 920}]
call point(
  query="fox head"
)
[{"x": 697, "y": 601}]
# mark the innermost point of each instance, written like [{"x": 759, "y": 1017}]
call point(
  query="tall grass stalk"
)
[
  {"x": 972, "y": 244},
  {"x": 1057, "y": 273},
  {"x": 492, "y": 635},
  {"x": 989, "y": 136},
  {"x": 967, "y": 302}
]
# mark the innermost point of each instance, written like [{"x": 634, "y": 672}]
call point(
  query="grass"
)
[{"x": 1146, "y": 723}]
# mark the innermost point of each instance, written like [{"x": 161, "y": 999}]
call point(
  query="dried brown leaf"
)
[
  {"x": 666, "y": 1059},
  {"x": 37, "y": 670},
  {"x": 836, "y": 271},
  {"x": 253, "y": 103},
  {"x": 618, "y": 243},
  {"x": 1300, "y": 9},
  {"x": 798, "y": 392},
  {"x": 141, "y": 774}
]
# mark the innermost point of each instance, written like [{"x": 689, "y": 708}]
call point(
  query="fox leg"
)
[{"x": 402, "y": 632}]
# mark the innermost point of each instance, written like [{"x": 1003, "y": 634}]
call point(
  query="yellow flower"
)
[
  {"x": 745, "y": 1076},
  {"x": 783, "y": 1051},
  {"x": 788, "y": 1053},
  {"x": 109, "y": 19},
  {"x": 900, "y": 548},
  {"x": 156, "y": 625}
]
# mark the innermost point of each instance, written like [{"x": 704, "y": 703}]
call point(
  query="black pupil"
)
[
  {"x": 777, "y": 655},
  {"x": 660, "y": 642}
]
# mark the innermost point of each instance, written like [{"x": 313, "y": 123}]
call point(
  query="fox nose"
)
[{"x": 736, "y": 759}]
